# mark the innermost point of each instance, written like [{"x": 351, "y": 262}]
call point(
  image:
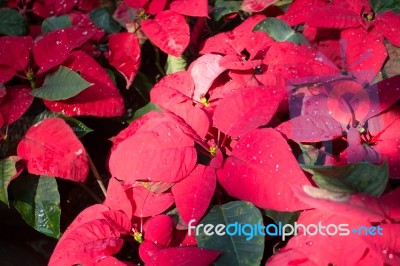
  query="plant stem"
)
[
  {"x": 157, "y": 60},
  {"x": 97, "y": 176}
]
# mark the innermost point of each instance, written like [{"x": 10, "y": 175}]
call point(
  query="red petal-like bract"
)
[
  {"x": 54, "y": 48},
  {"x": 256, "y": 5},
  {"x": 385, "y": 130},
  {"x": 309, "y": 128},
  {"x": 204, "y": 70},
  {"x": 365, "y": 53},
  {"x": 148, "y": 203},
  {"x": 193, "y": 8},
  {"x": 116, "y": 198},
  {"x": 193, "y": 194},
  {"x": 184, "y": 256},
  {"x": 261, "y": 169},
  {"x": 87, "y": 243},
  {"x": 159, "y": 229},
  {"x": 51, "y": 148},
  {"x": 136, "y": 3},
  {"x": 352, "y": 248},
  {"x": 157, "y": 150},
  {"x": 167, "y": 95},
  {"x": 124, "y": 55},
  {"x": 14, "y": 54},
  {"x": 387, "y": 24},
  {"x": 101, "y": 99},
  {"x": 247, "y": 109},
  {"x": 169, "y": 31},
  {"x": 48, "y": 8},
  {"x": 15, "y": 103}
]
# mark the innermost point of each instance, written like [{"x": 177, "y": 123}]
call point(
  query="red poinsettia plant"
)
[{"x": 210, "y": 115}]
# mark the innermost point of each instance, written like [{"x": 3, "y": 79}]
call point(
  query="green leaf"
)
[
  {"x": 236, "y": 250},
  {"x": 175, "y": 64},
  {"x": 11, "y": 22},
  {"x": 53, "y": 23},
  {"x": 362, "y": 177},
  {"x": 38, "y": 201},
  {"x": 223, "y": 8},
  {"x": 280, "y": 31},
  {"x": 7, "y": 172},
  {"x": 102, "y": 18},
  {"x": 79, "y": 128},
  {"x": 144, "y": 110},
  {"x": 381, "y": 6},
  {"x": 392, "y": 65},
  {"x": 283, "y": 217},
  {"x": 61, "y": 85}
]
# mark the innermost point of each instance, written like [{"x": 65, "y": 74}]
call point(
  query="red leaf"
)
[
  {"x": 192, "y": 256},
  {"x": 237, "y": 63},
  {"x": 124, "y": 55},
  {"x": 310, "y": 128},
  {"x": 87, "y": 244},
  {"x": 136, "y": 3},
  {"x": 15, "y": 103},
  {"x": 15, "y": 52},
  {"x": 169, "y": 31},
  {"x": 93, "y": 212},
  {"x": 385, "y": 131},
  {"x": 365, "y": 53},
  {"x": 117, "y": 199},
  {"x": 193, "y": 194},
  {"x": 256, "y": 5},
  {"x": 159, "y": 229},
  {"x": 154, "y": 151},
  {"x": 101, "y": 99},
  {"x": 166, "y": 96},
  {"x": 48, "y": 8},
  {"x": 6, "y": 73},
  {"x": 147, "y": 250},
  {"x": 357, "y": 206},
  {"x": 391, "y": 201},
  {"x": 387, "y": 24},
  {"x": 54, "y": 48},
  {"x": 204, "y": 70},
  {"x": 352, "y": 249},
  {"x": 118, "y": 220},
  {"x": 52, "y": 148},
  {"x": 247, "y": 109},
  {"x": 385, "y": 93},
  {"x": 148, "y": 203},
  {"x": 181, "y": 81},
  {"x": 221, "y": 43},
  {"x": 111, "y": 261},
  {"x": 261, "y": 169},
  {"x": 334, "y": 16},
  {"x": 156, "y": 6},
  {"x": 193, "y": 8}
]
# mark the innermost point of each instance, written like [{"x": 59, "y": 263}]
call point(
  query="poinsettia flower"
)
[{"x": 367, "y": 114}]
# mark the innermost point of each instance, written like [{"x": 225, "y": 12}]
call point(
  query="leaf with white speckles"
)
[
  {"x": 247, "y": 109},
  {"x": 261, "y": 169},
  {"x": 193, "y": 194},
  {"x": 155, "y": 149},
  {"x": 169, "y": 31},
  {"x": 51, "y": 148},
  {"x": 15, "y": 103},
  {"x": 124, "y": 55}
]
